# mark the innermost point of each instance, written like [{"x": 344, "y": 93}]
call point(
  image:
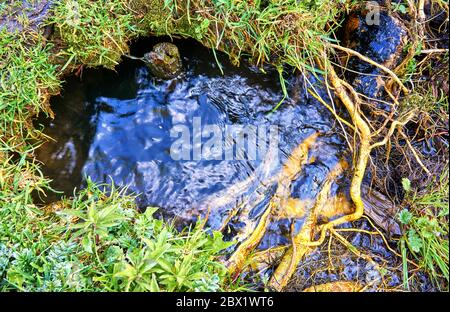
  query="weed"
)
[
  {"x": 426, "y": 228},
  {"x": 101, "y": 242}
]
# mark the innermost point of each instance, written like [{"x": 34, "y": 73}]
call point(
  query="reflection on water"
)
[{"x": 118, "y": 124}]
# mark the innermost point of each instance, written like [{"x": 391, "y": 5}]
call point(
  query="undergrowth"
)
[
  {"x": 95, "y": 242},
  {"x": 426, "y": 229}
]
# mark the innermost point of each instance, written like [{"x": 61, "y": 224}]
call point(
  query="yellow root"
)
[
  {"x": 352, "y": 248},
  {"x": 239, "y": 257},
  {"x": 364, "y": 132},
  {"x": 296, "y": 208},
  {"x": 262, "y": 260},
  {"x": 370, "y": 61},
  {"x": 290, "y": 170},
  {"x": 288, "y": 264},
  {"x": 302, "y": 243},
  {"x": 335, "y": 287}
]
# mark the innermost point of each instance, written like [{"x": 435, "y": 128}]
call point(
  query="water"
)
[{"x": 117, "y": 125}]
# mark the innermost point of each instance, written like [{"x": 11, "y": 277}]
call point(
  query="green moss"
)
[{"x": 93, "y": 33}]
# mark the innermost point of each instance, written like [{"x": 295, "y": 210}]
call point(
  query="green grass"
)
[
  {"x": 98, "y": 242},
  {"x": 426, "y": 229},
  {"x": 27, "y": 79},
  {"x": 93, "y": 33},
  {"x": 283, "y": 32}
]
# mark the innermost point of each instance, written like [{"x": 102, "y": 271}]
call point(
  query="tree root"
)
[
  {"x": 290, "y": 170},
  {"x": 288, "y": 264},
  {"x": 303, "y": 242},
  {"x": 363, "y": 130},
  {"x": 335, "y": 287},
  {"x": 370, "y": 61}
]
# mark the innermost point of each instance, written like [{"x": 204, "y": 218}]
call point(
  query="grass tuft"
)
[{"x": 426, "y": 229}]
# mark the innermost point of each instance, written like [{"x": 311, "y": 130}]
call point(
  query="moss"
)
[
  {"x": 93, "y": 33},
  {"x": 27, "y": 80}
]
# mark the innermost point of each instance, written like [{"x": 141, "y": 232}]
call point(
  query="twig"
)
[
  {"x": 421, "y": 10},
  {"x": 372, "y": 62},
  {"x": 413, "y": 150},
  {"x": 430, "y": 51},
  {"x": 394, "y": 126}
]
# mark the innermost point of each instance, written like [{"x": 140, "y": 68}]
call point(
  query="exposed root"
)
[
  {"x": 386, "y": 242},
  {"x": 288, "y": 264},
  {"x": 352, "y": 248},
  {"x": 290, "y": 170},
  {"x": 413, "y": 150},
  {"x": 364, "y": 133},
  {"x": 281, "y": 204},
  {"x": 262, "y": 260},
  {"x": 370, "y": 61},
  {"x": 341, "y": 286}
]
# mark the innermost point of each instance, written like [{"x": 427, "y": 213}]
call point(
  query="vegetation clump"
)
[{"x": 95, "y": 242}]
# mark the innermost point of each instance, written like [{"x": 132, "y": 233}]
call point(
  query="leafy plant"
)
[
  {"x": 101, "y": 242},
  {"x": 95, "y": 217},
  {"x": 426, "y": 227},
  {"x": 400, "y": 7}
]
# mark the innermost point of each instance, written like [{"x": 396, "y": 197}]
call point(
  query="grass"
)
[
  {"x": 284, "y": 32},
  {"x": 27, "y": 80},
  {"x": 288, "y": 34},
  {"x": 94, "y": 33},
  {"x": 426, "y": 229},
  {"x": 96, "y": 242}
]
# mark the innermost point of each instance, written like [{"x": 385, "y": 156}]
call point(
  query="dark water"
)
[{"x": 116, "y": 125}]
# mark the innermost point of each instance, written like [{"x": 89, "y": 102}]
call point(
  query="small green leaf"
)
[
  {"x": 87, "y": 244},
  {"x": 405, "y": 217},
  {"x": 150, "y": 211},
  {"x": 406, "y": 183},
  {"x": 154, "y": 287},
  {"x": 414, "y": 240}
]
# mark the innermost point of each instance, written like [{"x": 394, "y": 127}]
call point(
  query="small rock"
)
[{"x": 164, "y": 60}]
